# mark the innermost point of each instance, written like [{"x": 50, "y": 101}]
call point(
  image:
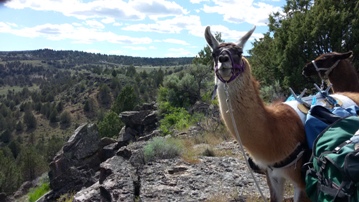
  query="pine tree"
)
[{"x": 30, "y": 120}]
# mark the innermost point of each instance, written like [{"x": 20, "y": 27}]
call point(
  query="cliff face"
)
[{"x": 115, "y": 170}]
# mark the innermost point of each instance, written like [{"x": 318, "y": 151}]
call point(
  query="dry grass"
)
[
  {"x": 204, "y": 144},
  {"x": 66, "y": 197}
]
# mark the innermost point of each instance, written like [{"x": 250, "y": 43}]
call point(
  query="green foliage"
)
[
  {"x": 114, "y": 73},
  {"x": 203, "y": 76},
  {"x": 31, "y": 163},
  {"x": 37, "y": 192},
  {"x": 179, "y": 91},
  {"x": 162, "y": 148},
  {"x": 301, "y": 32},
  {"x": 15, "y": 148},
  {"x": 177, "y": 118},
  {"x": 30, "y": 120},
  {"x": 60, "y": 106},
  {"x": 53, "y": 146},
  {"x": 110, "y": 126},
  {"x": 19, "y": 126},
  {"x": 65, "y": 118},
  {"x": 65, "y": 80},
  {"x": 126, "y": 100},
  {"x": 90, "y": 105},
  {"x": 272, "y": 93},
  {"x": 104, "y": 95},
  {"x": 53, "y": 115},
  {"x": 10, "y": 175},
  {"x": 5, "y": 136},
  {"x": 131, "y": 71}
]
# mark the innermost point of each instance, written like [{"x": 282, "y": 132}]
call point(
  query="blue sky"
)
[{"x": 146, "y": 28}]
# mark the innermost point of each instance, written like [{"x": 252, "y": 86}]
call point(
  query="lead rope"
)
[{"x": 230, "y": 110}]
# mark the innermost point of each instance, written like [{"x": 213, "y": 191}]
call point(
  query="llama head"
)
[
  {"x": 325, "y": 63},
  {"x": 227, "y": 56}
]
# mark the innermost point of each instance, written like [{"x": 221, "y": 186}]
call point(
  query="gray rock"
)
[
  {"x": 24, "y": 188},
  {"x": 74, "y": 166},
  {"x": 117, "y": 184}
]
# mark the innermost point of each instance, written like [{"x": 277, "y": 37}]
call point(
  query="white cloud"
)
[
  {"x": 117, "y": 24},
  {"x": 94, "y": 24},
  {"x": 157, "y": 8},
  {"x": 232, "y": 35},
  {"x": 248, "y": 11},
  {"x": 176, "y": 41},
  {"x": 83, "y": 10},
  {"x": 198, "y": 1},
  {"x": 108, "y": 20},
  {"x": 173, "y": 25},
  {"x": 7, "y": 27},
  {"x": 178, "y": 52},
  {"x": 136, "y": 48},
  {"x": 74, "y": 33},
  {"x": 107, "y": 9}
]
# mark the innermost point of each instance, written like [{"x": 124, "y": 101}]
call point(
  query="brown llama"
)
[
  {"x": 273, "y": 135},
  {"x": 337, "y": 68}
]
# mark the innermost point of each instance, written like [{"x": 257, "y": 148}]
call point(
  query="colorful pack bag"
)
[{"x": 332, "y": 173}]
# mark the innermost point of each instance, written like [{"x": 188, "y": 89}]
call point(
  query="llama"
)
[
  {"x": 337, "y": 68},
  {"x": 272, "y": 134}
]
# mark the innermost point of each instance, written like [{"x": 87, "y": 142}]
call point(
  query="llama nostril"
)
[{"x": 223, "y": 58}]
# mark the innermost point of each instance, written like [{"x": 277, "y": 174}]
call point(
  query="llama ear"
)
[
  {"x": 212, "y": 42},
  {"x": 244, "y": 38},
  {"x": 343, "y": 56}
]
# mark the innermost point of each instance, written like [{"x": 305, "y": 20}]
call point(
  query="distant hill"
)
[{"x": 81, "y": 58}]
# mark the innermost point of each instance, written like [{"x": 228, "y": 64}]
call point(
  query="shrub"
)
[
  {"x": 208, "y": 152},
  {"x": 65, "y": 118},
  {"x": 110, "y": 126},
  {"x": 272, "y": 92},
  {"x": 177, "y": 118},
  {"x": 162, "y": 148},
  {"x": 36, "y": 193}
]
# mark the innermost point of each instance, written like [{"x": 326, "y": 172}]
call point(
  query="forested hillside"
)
[{"x": 45, "y": 95}]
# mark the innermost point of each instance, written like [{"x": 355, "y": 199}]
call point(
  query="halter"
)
[
  {"x": 237, "y": 69},
  {"x": 327, "y": 71}
]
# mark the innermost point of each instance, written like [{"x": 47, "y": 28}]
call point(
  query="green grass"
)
[{"x": 37, "y": 192}]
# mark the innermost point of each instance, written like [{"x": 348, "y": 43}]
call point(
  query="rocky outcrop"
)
[
  {"x": 138, "y": 124},
  {"x": 83, "y": 160},
  {"x": 109, "y": 170},
  {"x": 116, "y": 183},
  {"x": 75, "y": 165},
  {"x": 126, "y": 177}
]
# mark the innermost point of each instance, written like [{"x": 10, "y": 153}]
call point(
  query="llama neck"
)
[
  {"x": 258, "y": 125},
  {"x": 344, "y": 78},
  {"x": 246, "y": 104}
]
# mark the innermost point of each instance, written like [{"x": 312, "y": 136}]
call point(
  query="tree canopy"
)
[{"x": 300, "y": 33}]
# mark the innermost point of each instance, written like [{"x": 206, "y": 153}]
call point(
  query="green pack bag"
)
[{"x": 332, "y": 173}]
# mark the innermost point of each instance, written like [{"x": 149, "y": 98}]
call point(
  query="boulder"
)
[
  {"x": 74, "y": 166},
  {"x": 137, "y": 124},
  {"x": 117, "y": 183}
]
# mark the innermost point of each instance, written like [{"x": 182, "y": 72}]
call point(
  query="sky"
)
[{"x": 145, "y": 28}]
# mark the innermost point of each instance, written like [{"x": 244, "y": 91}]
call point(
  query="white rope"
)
[{"x": 230, "y": 110}]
